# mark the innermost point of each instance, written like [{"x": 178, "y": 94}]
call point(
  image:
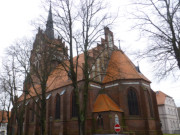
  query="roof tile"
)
[
  {"x": 160, "y": 96},
  {"x": 120, "y": 67},
  {"x": 104, "y": 103}
]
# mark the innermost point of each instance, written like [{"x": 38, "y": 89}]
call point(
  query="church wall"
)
[
  {"x": 113, "y": 93},
  {"x": 31, "y": 129},
  {"x": 152, "y": 124},
  {"x": 119, "y": 95},
  {"x": 106, "y": 124},
  {"x": 156, "y": 113},
  {"x": 68, "y": 125},
  {"x": 137, "y": 123}
]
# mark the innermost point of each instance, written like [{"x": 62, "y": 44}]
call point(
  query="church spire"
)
[{"x": 49, "y": 25}]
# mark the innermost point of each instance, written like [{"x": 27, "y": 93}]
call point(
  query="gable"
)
[
  {"x": 161, "y": 97},
  {"x": 120, "y": 67}
]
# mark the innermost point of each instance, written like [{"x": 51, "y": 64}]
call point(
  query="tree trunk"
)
[
  {"x": 20, "y": 129},
  {"x": 42, "y": 121},
  {"x": 42, "y": 127},
  {"x": 8, "y": 133},
  {"x": 43, "y": 108},
  {"x": 82, "y": 127}
]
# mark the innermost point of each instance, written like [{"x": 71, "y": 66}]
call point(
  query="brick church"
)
[{"x": 118, "y": 94}]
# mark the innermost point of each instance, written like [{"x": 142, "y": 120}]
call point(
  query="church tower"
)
[
  {"x": 47, "y": 50},
  {"x": 49, "y": 25}
]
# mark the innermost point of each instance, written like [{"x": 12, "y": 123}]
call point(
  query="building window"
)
[
  {"x": 74, "y": 106},
  {"x": 177, "y": 124},
  {"x": 133, "y": 103},
  {"x": 162, "y": 125},
  {"x": 150, "y": 105},
  {"x": 100, "y": 120},
  {"x": 3, "y": 125},
  {"x": 57, "y": 111},
  {"x": 169, "y": 111}
]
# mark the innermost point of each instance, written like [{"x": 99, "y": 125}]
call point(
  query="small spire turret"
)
[{"x": 49, "y": 25}]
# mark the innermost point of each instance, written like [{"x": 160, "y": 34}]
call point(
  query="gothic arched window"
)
[
  {"x": 74, "y": 106},
  {"x": 133, "y": 103},
  {"x": 58, "y": 106}
]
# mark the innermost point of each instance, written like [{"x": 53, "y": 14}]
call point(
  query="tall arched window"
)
[
  {"x": 74, "y": 106},
  {"x": 58, "y": 106},
  {"x": 133, "y": 103}
]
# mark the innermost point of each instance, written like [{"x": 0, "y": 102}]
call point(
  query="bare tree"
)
[
  {"x": 44, "y": 58},
  {"x": 36, "y": 65},
  {"x": 4, "y": 107},
  {"x": 15, "y": 71},
  {"x": 159, "y": 21},
  {"x": 80, "y": 24},
  {"x": 10, "y": 84}
]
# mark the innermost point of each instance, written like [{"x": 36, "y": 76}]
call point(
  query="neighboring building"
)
[
  {"x": 121, "y": 94},
  {"x": 178, "y": 109},
  {"x": 168, "y": 113},
  {"x": 3, "y": 122}
]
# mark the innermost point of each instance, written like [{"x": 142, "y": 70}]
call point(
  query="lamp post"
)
[{"x": 50, "y": 120}]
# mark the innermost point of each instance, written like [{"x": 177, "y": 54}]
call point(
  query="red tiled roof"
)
[
  {"x": 58, "y": 78},
  {"x": 120, "y": 67},
  {"x": 161, "y": 96},
  {"x": 104, "y": 103}
]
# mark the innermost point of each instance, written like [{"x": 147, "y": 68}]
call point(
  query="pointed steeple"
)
[{"x": 49, "y": 25}]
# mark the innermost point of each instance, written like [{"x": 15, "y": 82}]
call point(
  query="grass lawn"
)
[{"x": 171, "y": 134}]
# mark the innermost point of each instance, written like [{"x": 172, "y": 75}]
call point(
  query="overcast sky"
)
[{"x": 17, "y": 15}]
